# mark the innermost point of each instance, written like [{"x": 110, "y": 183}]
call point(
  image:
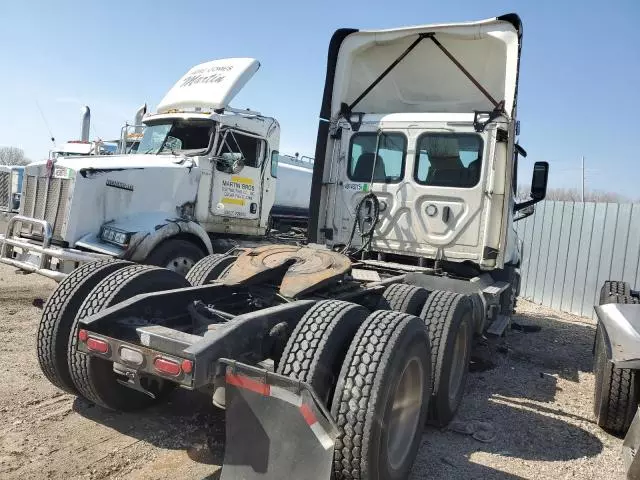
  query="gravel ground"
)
[{"x": 526, "y": 413}]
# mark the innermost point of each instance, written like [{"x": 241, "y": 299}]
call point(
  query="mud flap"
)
[{"x": 276, "y": 427}]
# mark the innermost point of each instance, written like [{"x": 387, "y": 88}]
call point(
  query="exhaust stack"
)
[
  {"x": 137, "y": 120},
  {"x": 86, "y": 121}
]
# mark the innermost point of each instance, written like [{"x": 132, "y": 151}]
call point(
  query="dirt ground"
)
[{"x": 529, "y": 406}]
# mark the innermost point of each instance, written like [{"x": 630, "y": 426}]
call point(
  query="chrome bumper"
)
[{"x": 40, "y": 257}]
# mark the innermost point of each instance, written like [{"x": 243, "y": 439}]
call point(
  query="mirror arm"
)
[
  {"x": 519, "y": 206},
  {"x": 523, "y": 216}
]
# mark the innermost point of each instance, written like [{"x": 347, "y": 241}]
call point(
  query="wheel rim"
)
[
  {"x": 180, "y": 265},
  {"x": 459, "y": 363},
  {"x": 405, "y": 412}
]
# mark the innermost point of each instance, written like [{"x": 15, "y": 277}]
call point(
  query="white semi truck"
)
[
  {"x": 329, "y": 358},
  {"x": 201, "y": 168},
  {"x": 10, "y": 187}
]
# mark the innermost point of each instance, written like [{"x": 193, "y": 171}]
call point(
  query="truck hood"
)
[
  {"x": 211, "y": 85},
  {"x": 114, "y": 162},
  {"x": 426, "y": 79}
]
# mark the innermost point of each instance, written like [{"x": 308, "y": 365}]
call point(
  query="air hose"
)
[{"x": 371, "y": 218}]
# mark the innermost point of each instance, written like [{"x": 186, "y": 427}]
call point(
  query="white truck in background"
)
[
  {"x": 84, "y": 146},
  {"x": 294, "y": 189},
  {"x": 10, "y": 187},
  {"x": 202, "y": 169}
]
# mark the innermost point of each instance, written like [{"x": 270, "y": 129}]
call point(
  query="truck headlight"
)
[{"x": 115, "y": 236}]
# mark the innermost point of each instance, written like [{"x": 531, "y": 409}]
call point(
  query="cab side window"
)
[
  {"x": 250, "y": 148},
  {"x": 275, "y": 155}
]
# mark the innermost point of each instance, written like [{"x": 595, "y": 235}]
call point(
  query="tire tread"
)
[{"x": 58, "y": 316}]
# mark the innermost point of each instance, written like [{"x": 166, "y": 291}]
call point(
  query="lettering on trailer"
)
[
  {"x": 214, "y": 74},
  {"x": 238, "y": 190}
]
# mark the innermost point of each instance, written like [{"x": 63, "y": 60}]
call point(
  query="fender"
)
[{"x": 148, "y": 230}]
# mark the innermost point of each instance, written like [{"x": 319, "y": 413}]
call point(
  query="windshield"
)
[{"x": 176, "y": 135}]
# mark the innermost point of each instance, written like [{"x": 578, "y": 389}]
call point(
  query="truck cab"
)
[
  {"x": 201, "y": 168},
  {"x": 425, "y": 120}
]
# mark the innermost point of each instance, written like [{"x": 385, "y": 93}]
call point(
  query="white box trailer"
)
[{"x": 293, "y": 190}]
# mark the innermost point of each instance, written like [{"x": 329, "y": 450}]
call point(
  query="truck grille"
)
[
  {"x": 5, "y": 191},
  {"x": 45, "y": 199}
]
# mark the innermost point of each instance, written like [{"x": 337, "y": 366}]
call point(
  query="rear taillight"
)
[
  {"x": 167, "y": 367},
  {"x": 130, "y": 356},
  {"x": 97, "y": 345},
  {"x": 187, "y": 366},
  {"x": 83, "y": 335}
]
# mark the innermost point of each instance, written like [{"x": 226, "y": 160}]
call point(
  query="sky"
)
[{"x": 578, "y": 93}]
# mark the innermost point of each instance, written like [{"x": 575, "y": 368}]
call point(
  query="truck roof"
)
[{"x": 425, "y": 77}]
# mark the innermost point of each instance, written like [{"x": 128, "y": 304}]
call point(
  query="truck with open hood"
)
[
  {"x": 200, "y": 168},
  {"x": 329, "y": 358}
]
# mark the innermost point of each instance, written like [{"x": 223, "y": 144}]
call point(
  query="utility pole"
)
[{"x": 583, "y": 179}]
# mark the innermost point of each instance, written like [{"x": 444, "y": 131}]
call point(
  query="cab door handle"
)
[{"x": 446, "y": 214}]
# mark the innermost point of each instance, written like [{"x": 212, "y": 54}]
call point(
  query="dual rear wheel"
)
[
  {"x": 617, "y": 392},
  {"x": 384, "y": 374},
  {"x": 373, "y": 371},
  {"x": 380, "y": 374}
]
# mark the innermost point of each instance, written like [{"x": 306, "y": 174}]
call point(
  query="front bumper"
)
[{"x": 43, "y": 258}]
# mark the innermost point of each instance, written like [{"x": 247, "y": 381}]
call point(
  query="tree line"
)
[
  {"x": 575, "y": 195},
  {"x": 13, "y": 156}
]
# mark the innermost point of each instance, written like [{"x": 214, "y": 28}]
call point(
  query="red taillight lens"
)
[
  {"x": 83, "y": 335},
  {"x": 96, "y": 345},
  {"x": 187, "y": 366},
  {"x": 168, "y": 367}
]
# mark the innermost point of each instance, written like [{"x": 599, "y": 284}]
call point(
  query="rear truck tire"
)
[
  {"x": 318, "y": 344},
  {"x": 616, "y": 298},
  {"x": 615, "y": 398},
  {"x": 449, "y": 320},
  {"x": 58, "y": 319},
  {"x": 382, "y": 396},
  {"x": 209, "y": 268},
  {"x": 403, "y": 298},
  {"x": 175, "y": 254},
  {"x": 613, "y": 287},
  {"x": 94, "y": 377}
]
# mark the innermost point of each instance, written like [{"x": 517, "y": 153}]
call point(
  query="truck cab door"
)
[{"x": 236, "y": 189}]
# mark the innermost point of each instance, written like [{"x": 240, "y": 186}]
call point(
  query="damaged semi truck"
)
[
  {"x": 330, "y": 358},
  {"x": 201, "y": 169}
]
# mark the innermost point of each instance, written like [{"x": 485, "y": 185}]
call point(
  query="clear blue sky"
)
[{"x": 579, "y": 87}]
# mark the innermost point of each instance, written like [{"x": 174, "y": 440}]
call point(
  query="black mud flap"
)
[{"x": 276, "y": 428}]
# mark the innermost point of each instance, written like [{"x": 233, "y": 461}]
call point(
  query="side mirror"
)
[
  {"x": 539, "y": 180},
  {"x": 538, "y": 188}
]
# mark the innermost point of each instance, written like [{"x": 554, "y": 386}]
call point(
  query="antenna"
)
[{"x": 53, "y": 140}]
